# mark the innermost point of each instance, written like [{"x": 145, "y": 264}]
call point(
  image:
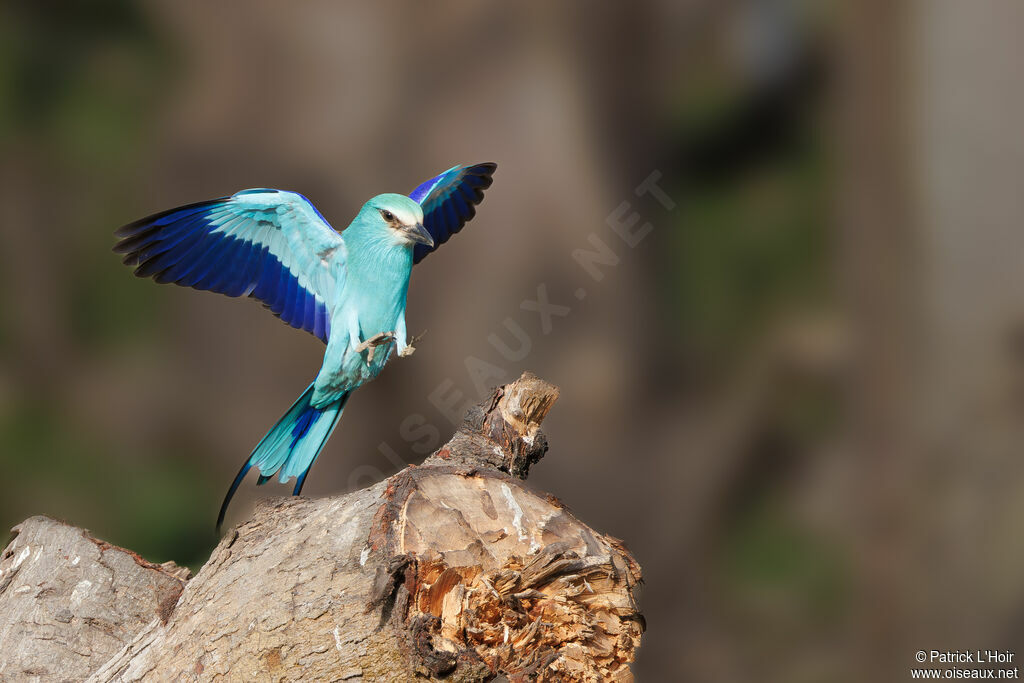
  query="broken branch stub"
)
[
  {"x": 453, "y": 570},
  {"x": 503, "y": 432}
]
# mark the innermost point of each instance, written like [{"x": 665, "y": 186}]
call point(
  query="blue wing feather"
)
[
  {"x": 449, "y": 202},
  {"x": 235, "y": 246}
]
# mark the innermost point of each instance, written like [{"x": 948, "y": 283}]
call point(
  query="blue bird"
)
[{"x": 348, "y": 289}]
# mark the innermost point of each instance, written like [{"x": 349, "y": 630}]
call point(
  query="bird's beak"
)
[{"x": 417, "y": 233}]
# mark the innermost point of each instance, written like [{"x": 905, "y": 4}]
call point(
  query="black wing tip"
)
[
  {"x": 484, "y": 170},
  {"x": 475, "y": 179},
  {"x": 481, "y": 173},
  {"x": 128, "y": 236},
  {"x": 135, "y": 227}
]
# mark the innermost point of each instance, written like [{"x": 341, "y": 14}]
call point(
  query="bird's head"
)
[{"x": 395, "y": 219}]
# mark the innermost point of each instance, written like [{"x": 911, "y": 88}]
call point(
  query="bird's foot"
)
[
  {"x": 410, "y": 348},
  {"x": 371, "y": 344}
]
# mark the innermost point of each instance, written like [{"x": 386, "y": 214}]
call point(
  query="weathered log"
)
[
  {"x": 69, "y": 602},
  {"x": 453, "y": 570}
]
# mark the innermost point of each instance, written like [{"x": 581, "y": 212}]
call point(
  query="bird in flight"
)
[{"x": 348, "y": 288}]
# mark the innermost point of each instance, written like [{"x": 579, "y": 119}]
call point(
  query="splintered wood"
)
[
  {"x": 511, "y": 577},
  {"x": 536, "y": 621}
]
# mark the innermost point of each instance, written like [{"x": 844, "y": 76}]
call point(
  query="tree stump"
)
[{"x": 452, "y": 570}]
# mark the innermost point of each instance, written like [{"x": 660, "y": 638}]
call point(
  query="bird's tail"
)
[{"x": 291, "y": 446}]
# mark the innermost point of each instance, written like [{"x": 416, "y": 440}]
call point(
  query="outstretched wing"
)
[
  {"x": 449, "y": 202},
  {"x": 271, "y": 245}
]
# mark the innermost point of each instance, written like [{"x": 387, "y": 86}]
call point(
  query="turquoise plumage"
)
[{"x": 348, "y": 289}]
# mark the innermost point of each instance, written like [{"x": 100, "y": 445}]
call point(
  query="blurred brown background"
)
[{"x": 799, "y": 398}]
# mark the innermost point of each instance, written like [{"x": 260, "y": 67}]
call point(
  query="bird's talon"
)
[
  {"x": 370, "y": 345},
  {"x": 375, "y": 340},
  {"x": 407, "y": 351}
]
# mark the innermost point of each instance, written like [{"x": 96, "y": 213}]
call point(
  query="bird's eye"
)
[{"x": 388, "y": 216}]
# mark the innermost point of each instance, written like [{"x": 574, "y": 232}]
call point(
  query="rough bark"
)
[
  {"x": 453, "y": 570},
  {"x": 69, "y": 602}
]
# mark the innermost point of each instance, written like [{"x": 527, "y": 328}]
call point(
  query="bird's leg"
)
[
  {"x": 375, "y": 340},
  {"x": 371, "y": 344},
  {"x": 410, "y": 347}
]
